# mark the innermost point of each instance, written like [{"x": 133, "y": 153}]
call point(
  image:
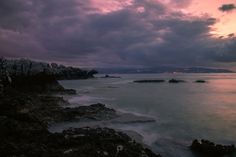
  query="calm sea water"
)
[{"x": 183, "y": 111}]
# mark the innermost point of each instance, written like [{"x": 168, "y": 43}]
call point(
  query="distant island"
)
[{"x": 162, "y": 69}]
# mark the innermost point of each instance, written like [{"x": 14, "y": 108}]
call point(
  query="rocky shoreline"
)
[{"x": 28, "y": 106}]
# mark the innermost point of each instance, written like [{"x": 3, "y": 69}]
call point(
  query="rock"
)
[
  {"x": 149, "y": 81},
  {"x": 1, "y": 87},
  {"x": 93, "y": 112},
  {"x": 107, "y": 142},
  {"x": 108, "y": 76},
  {"x": 91, "y": 73},
  {"x": 24, "y": 118},
  {"x": 200, "y": 81},
  {"x": 27, "y": 109},
  {"x": 65, "y": 91},
  {"x": 209, "y": 149},
  {"x": 176, "y": 81},
  {"x": 25, "y": 67}
]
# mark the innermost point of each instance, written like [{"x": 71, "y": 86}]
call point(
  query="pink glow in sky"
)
[
  {"x": 121, "y": 32},
  {"x": 225, "y": 20}
]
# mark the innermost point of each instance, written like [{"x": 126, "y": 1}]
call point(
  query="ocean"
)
[{"x": 183, "y": 111}]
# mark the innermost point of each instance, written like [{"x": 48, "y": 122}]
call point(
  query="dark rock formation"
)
[
  {"x": 108, "y": 76},
  {"x": 24, "y": 117},
  {"x": 200, "y": 81},
  {"x": 94, "y": 112},
  {"x": 106, "y": 142},
  {"x": 176, "y": 81},
  {"x": 28, "y": 76},
  {"x": 1, "y": 87},
  {"x": 26, "y": 110},
  {"x": 206, "y": 148},
  {"x": 149, "y": 81},
  {"x": 40, "y": 83},
  {"x": 24, "y": 67}
]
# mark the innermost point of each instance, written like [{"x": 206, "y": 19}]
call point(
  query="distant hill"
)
[{"x": 162, "y": 69}]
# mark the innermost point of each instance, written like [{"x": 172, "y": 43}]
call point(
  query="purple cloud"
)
[{"x": 76, "y": 32}]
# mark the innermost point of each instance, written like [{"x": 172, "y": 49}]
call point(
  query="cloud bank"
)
[{"x": 115, "y": 33}]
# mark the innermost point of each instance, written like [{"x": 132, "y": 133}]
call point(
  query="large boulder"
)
[{"x": 206, "y": 148}]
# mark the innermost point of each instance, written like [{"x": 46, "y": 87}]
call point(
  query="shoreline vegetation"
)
[{"x": 28, "y": 106}]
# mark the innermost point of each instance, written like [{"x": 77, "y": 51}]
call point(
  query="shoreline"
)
[
  {"x": 28, "y": 128},
  {"x": 29, "y": 106}
]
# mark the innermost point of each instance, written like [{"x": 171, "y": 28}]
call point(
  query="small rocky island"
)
[
  {"x": 200, "y": 81},
  {"x": 149, "y": 81},
  {"x": 176, "y": 81},
  {"x": 28, "y": 106}
]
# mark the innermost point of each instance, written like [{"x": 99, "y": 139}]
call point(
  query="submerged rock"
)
[
  {"x": 176, "y": 81},
  {"x": 200, "y": 81},
  {"x": 108, "y": 76},
  {"x": 149, "y": 81},
  {"x": 206, "y": 148}
]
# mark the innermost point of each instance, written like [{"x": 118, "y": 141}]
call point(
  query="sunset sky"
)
[{"x": 129, "y": 33}]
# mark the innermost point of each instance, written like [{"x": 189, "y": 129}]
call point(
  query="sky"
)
[{"x": 120, "y": 33}]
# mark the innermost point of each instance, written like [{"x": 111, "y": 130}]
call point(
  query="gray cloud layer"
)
[{"x": 76, "y": 32}]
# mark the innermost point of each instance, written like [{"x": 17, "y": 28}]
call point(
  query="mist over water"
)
[{"x": 183, "y": 111}]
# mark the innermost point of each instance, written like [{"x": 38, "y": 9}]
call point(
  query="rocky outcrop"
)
[
  {"x": 176, "y": 81},
  {"x": 27, "y": 109},
  {"x": 149, "y": 81},
  {"x": 24, "y": 67},
  {"x": 109, "y": 76},
  {"x": 25, "y": 75},
  {"x": 24, "y": 117},
  {"x": 206, "y": 148},
  {"x": 92, "y": 112},
  {"x": 200, "y": 81}
]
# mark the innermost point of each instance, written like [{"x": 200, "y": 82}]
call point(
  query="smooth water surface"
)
[{"x": 183, "y": 111}]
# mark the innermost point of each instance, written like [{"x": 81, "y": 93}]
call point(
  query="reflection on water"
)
[{"x": 184, "y": 111}]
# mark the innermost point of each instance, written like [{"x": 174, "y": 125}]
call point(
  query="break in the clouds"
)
[
  {"x": 114, "y": 33},
  {"x": 227, "y": 7}
]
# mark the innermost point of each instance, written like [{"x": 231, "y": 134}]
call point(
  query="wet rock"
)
[
  {"x": 176, "y": 81},
  {"x": 24, "y": 119},
  {"x": 107, "y": 142},
  {"x": 206, "y": 148},
  {"x": 149, "y": 81},
  {"x": 93, "y": 112},
  {"x": 200, "y": 81},
  {"x": 108, "y": 76}
]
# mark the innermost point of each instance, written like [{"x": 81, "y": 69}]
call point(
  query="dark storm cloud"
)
[
  {"x": 227, "y": 7},
  {"x": 75, "y": 31}
]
